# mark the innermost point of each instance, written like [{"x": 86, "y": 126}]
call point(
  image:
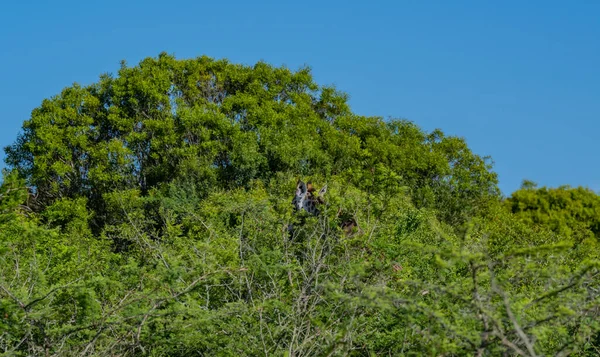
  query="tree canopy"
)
[
  {"x": 564, "y": 209},
  {"x": 219, "y": 125},
  {"x": 150, "y": 214}
]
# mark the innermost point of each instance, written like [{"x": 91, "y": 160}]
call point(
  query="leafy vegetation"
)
[
  {"x": 564, "y": 209},
  {"x": 149, "y": 214}
]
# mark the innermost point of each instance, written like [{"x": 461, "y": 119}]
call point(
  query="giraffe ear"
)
[
  {"x": 300, "y": 188},
  {"x": 323, "y": 190}
]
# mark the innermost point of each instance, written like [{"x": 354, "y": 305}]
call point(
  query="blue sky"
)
[{"x": 520, "y": 80}]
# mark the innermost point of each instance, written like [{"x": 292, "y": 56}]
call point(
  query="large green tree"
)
[
  {"x": 564, "y": 209},
  {"x": 222, "y": 125}
]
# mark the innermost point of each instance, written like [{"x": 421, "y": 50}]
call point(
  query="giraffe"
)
[{"x": 307, "y": 200}]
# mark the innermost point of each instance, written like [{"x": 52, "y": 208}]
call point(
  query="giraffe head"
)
[{"x": 306, "y": 199}]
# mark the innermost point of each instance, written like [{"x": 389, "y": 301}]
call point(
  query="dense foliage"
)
[
  {"x": 564, "y": 209},
  {"x": 149, "y": 214}
]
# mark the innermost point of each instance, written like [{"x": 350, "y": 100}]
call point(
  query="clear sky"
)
[{"x": 520, "y": 80}]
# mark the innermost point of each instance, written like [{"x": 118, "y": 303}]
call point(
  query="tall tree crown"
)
[{"x": 223, "y": 125}]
